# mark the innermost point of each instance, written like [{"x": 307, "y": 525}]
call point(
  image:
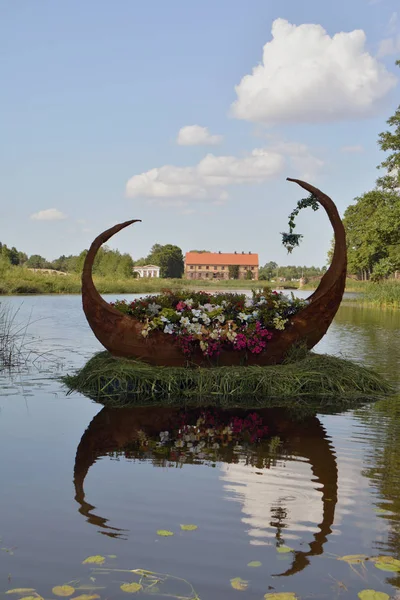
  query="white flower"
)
[
  {"x": 208, "y": 307},
  {"x": 179, "y": 444},
  {"x": 262, "y": 300},
  {"x": 164, "y": 436},
  {"x": 196, "y": 312},
  {"x": 231, "y": 335},
  {"x": 203, "y": 345},
  {"x": 185, "y": 321},
  {"x": 153, "y": 308},
  {"x": 164, "y": 319},
  {"x": 248, "y": 302},
  {"x": 206, "y": 320},
  {"x": 145, "y": 332},
  {"x": 243, "y": 317},
  {"x": 221, "y": 318},
  {"x": 169, "y": 328},
  {"x": 189, "y": 302},
  {"x": 255, "y": 313},
  {"x": 194, "y": 328}
]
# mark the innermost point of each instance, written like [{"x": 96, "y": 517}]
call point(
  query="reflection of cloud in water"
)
[{"x": 283, "y": 502}]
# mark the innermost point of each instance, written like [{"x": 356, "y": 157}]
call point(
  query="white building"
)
[{"x": 147, "y": 271}]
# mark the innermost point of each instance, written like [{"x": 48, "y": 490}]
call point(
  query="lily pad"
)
[
  {"x": 387, "y": 567},
  {"x": 63, "y": 590},
  {"x": 284, "y": 549},
  {"x": 373, "y": 595},
  {"x": 386, "y": 563},
  {"x": 281, "y": 596},
  {"x": 94, "y": 560},
  {"x": 254, "y": 563},
  {"x": 86, "y": 597},
  {"x": 131, "y": 588},
  {"x": 32, "y": 598},
  {"x": 189, "y": 527},
  {"x": 164, "y": 533},
  {"x": 354, "y": 559},
  {"x": 239, "y": 584}
]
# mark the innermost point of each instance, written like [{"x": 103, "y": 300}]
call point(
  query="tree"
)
[
  {"x": 169, "y": 258},
  {"x": 373, "y": 232},
  {"x": 233, "y": 271},
  {"x": 390, "y": 141},
  {"x": 373, "y": 223},
  {"x": 37, "y": 262}
]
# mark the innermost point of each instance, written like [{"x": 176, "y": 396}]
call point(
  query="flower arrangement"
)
[{"x": 214, "y": 322}]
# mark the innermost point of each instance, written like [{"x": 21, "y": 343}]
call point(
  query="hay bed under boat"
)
[{"x": 305, "y": 378}]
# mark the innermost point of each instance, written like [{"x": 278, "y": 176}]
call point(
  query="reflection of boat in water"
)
[
  {"x": 121, "y": 334},
  {"x": 120, "y": 431}
]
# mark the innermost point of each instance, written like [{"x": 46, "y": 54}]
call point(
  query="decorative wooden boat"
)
[{"x": 121, "y": 334}]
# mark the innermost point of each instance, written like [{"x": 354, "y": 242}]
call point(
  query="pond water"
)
[{"x": 80, "y": 480}]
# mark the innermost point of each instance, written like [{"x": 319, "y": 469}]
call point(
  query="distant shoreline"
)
[{"x": 30, "y": 283}]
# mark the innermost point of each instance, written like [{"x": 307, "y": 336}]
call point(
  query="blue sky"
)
[{"x": 95, "y": 93}]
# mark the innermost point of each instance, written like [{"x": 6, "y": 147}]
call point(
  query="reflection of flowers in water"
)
[{"x": 209, "y": 436}]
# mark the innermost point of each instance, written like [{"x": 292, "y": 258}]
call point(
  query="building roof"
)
[
  {"x": 223, "y": 258},
  {"x": 146, "y": 267}
]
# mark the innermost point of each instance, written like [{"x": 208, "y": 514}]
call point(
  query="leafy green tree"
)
[
  {"x": 389, "y": 141},
  {"x": 373, "y": 223},
  {"x": 169, "y": 258},
  {"x": 233, "y": 271},
  {"x": 373, "y": 231},
  {"x": 37, "y": 262}
]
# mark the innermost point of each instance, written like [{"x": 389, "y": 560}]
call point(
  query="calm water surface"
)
[{"x": 79, "y": 480}]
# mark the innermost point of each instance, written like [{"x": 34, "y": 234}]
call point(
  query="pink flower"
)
[{"x": 181, "y": 305}]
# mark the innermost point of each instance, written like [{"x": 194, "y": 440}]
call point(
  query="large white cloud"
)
[
  {"x": 307, "y": 76},
  {"x": 195, "y": 135},
  {"x": 50, "y": 214},
  {"x": 208, "y": 178}
]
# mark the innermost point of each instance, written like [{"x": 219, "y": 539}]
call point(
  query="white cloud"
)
[
  {"x": 50, "y": 214},
  {"x": 352, "y": 149},
  {"x": 206, "y": 179},
  {"x": 306, "y": 76},
  {"x": 389, "y": 46},
  {"x": 195, "y": 135}
]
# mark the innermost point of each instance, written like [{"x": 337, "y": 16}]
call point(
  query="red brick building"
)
[{"x": 215, "y": 265}]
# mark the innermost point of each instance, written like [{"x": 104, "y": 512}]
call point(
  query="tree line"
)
[{"x": 168, "y": 257}]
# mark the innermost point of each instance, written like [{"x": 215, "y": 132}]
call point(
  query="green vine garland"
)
[{"x": 291, "y": 240}]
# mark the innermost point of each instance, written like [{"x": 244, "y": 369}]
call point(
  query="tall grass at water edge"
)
[
  {"x": 12, "y": 337},
  {"x": 385, "y": 294},
  {"x": 18, "y": 280}
]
